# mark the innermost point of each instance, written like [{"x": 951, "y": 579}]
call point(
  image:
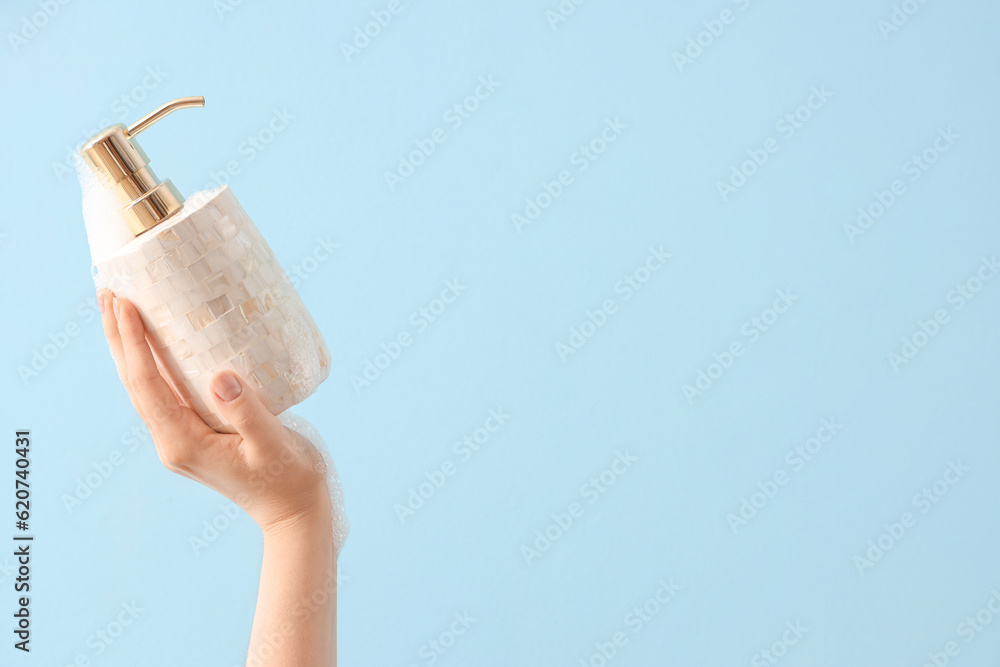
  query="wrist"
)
[{"x": 314, "y": 520}]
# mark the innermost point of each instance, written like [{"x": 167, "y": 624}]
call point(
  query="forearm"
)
[{"x": 295, "y": 621}]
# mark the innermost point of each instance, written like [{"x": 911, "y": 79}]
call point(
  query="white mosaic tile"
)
[{"x": 214, "y": 297}]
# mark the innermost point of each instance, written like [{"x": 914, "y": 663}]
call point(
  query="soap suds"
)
[
  {"x": 305, "y": 374},
  {"x": 341, "y": 524},
  {"x": 107, "y": 232}
]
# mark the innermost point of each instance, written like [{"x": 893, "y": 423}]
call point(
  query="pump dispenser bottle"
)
[{"x": 209, "y": 289}]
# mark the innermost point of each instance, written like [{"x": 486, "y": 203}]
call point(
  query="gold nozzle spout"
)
[{"x": 123, "y": 166}]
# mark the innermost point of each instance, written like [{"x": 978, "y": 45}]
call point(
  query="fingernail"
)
[
  {"x": 100, "y": 302},
  {"x": 226, "y": 387},
  {"x": 114, "y": 305}
]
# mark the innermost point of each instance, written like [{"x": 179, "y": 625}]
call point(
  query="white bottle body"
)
[{"x": 214, "y": 297}]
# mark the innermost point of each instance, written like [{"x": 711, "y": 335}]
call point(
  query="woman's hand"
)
[{"x": 275, "y": 475}]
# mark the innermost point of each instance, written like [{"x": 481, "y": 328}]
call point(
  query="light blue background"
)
[{"x": 666, "y": 517}]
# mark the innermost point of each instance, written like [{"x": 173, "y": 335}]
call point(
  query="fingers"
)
[
  {"x": 165, "y": 374},
  {"x": 152, "y": 394},
  {"x": 180, "y": 435},
  {"x": 240, "y": 405},
  {"x": 110, "y": 324}
]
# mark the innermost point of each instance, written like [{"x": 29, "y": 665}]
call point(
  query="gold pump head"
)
[{"x": 123, "y": 166}]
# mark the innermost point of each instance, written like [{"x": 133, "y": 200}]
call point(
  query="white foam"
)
[
  {"x": 107, "y": 232},
  {"x": 341, "y": 524},
  {"x": 304, "y": 375}
]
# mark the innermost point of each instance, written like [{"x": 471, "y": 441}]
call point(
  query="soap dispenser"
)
[{"x": 206, "y": 283}]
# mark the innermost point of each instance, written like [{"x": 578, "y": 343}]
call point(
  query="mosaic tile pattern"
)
[{"x": 214, "y": 297}]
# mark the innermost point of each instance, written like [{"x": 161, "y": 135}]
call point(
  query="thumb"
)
[{"x": 241, "y": 406}]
